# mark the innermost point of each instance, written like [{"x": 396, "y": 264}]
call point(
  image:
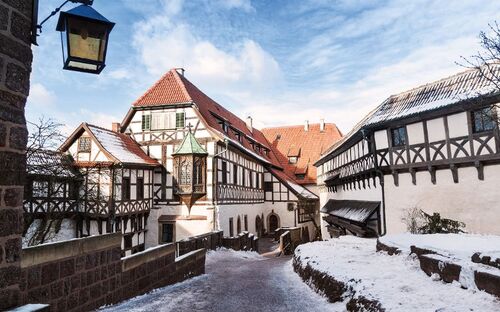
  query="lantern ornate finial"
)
[
  {"x": 86, "y": 39},
  {"x": 190, "y": 161}
]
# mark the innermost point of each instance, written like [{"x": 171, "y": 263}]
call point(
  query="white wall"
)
[{"x": 471, "y": 201}]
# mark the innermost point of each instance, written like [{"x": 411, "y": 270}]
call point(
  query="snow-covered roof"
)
[
  {"x": 354, "y": 210},
  {"x": 120, "y": 146},
  {"x": 466, "y": 85},
  {"x": 48, "y": 163}
]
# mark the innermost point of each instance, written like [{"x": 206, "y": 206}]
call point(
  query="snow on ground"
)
[
  {"x": 235, "y": 281},
  {"x": 395, "y": 281},
  {"x": 461, "y": 246}
]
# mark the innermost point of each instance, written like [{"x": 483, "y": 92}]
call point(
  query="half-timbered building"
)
[
  {"x": 117, "y": 187},
  {"x": 434, "y": 148},
  {"x": 200, "y": 168}
]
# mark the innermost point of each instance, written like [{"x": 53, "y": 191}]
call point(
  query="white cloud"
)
[
  {"x": 41, "y": 97},
  {"x": 118, "y": 74},
  {"x": 244, "y": 5}
]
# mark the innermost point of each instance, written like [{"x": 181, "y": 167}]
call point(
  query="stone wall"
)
[
  {"x": 209, "y": 241},
  {"x": 244, "y": 241},
  {"x": 15, "y": 68},
  {"x": 84, "y": 274}
]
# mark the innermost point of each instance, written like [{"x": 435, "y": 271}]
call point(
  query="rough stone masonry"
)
[{"x": 15, "y": 69}]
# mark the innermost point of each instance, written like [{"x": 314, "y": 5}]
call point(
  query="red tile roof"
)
[
  {"x": 293, "y": 140},
  {"x": 174, "y": 88}
]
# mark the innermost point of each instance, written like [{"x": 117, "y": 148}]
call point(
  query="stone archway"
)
[{"x": 273, "y": 222}]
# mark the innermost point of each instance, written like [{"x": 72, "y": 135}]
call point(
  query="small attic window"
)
[
  {"x": 84, "y": 144},
  {"x": 300, "y": 176},
  {"x": 223, "y": 125},
  {"x": 238, "y": 136},
  {"x": 266, "y": 151},
  {"x": 292, "y": 159}
]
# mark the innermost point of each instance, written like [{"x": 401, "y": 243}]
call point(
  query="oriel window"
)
[
  {"x": 485, "y": 119},
  {"x": 185, "y": 173},
  {"x": 398, "y": 136}
]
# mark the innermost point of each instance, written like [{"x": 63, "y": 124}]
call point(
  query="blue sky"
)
[{"x": 281, "y": 62}]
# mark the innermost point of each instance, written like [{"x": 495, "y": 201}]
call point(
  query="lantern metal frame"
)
[{"x": 62, "y": 26}]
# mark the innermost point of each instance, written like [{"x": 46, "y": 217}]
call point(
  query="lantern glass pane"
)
[{"x": 86, "y": 40}]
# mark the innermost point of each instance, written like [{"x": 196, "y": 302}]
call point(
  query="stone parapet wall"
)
[
  {"x": 244, "y": 241},
  {"x": 209, "y": 241},
  {"x": 87, "y": 273},
  {"x": 15, "y": 68}
]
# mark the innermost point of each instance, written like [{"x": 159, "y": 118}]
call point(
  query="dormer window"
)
[
  {"x": 84, "y": 145},
  {"x": 223, "y": 125},
  {"x": 300, "y": 176},
  {"x": 266, "y": 151},
  {"x": 238, "y": 136},
  {"x": 292, "y": 159}
]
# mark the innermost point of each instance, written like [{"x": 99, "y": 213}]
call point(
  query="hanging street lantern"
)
[{"x": 84, "y": 36}]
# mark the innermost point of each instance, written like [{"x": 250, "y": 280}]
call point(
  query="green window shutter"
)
[
  {"x": 146, "y": 122},
  {"x": 179, "y": 120}
]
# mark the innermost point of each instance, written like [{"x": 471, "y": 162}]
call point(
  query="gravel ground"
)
[{"x": 235, "y": 281}]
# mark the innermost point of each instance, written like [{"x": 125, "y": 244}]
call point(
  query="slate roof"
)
[
  {"x": 49, "y": 163},
  {"x": 448, "y": 91},
  {"x": 307, "y": 145}
]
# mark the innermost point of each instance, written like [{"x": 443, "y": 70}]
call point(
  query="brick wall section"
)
[
  {"x": 87, "y": 273},
  {"x": 15, "y": 68}
]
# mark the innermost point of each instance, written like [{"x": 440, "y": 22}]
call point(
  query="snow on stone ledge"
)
[
  {"x": 395, "y": 281},
  {"x": 460, "y": 246}
]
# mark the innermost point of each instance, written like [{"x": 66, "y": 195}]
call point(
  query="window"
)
[
  {"x": 484, "y": 119},
  {"x": 306, "y": 210},
  {"x": 40, "y": 188},
  {"x": 224, "y": 172},
  {"x": 268, "y": 186},
  {"x": 238, "y": 136},
  {"x": 84, "y": 144},
  {"x": 292, "y": 159},
  {"x": 243, "y": 177},
  {"x": 127, "y": 239},
  {"x": 198, "y": 172},
  {"x": 231, "y": 230},
  {"x": 266, "y": 151},
  {"x": 235, "y": 174},
  {"x": 164, "y": 120},
  {"x": 300, "y": 176},
  {"x": 179, "y": 120},
  {"x": 146, "y": 122},
  {"x": 246, "y": 222},
  {"x": 139, "y": 223},
  {"x": 257, "y": 180},
  {"x": 398, "y": 136},
  {"x": 140, "y": 188},
  {"x": 184, "y": 173},
  {"x": 238, "y": 225},
  {"x": 223, "y": 125},
  {"x": 118, "y": 225},
  {"x": 167, "y": 232},
  {"x": 250, "y": 176},
  {"x": 125, "y": 188}
]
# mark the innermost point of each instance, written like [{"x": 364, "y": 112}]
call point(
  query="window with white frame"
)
[{"x": 164, "y": 120}]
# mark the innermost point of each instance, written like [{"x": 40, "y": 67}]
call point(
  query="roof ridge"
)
[
  {"x": 181, "y": 82},
  {"x": 299, "y": 126},
  {"x": 422, "y": 86}
]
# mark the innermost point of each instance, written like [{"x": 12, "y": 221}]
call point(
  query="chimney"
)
[
  {"x": 306, "y": 126},
  {"x": 249, "y": 123},
  {"x": 115, "y": 126},
  {"x": 321, "y": 125}
]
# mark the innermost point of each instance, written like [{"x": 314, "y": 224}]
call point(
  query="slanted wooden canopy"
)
[{"x": 355, "y": 216}]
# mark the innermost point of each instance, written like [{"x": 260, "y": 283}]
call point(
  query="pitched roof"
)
[
  {"x": 297, "y": 189},
  {"x": 49, "y": 163},
  {"x": 174, "y": 88},
  {"x": 190, "y": 146},
  {"x": 120, "y": 147},
  {"x": 308, "y": 145},
  {"x": 466, "y": 85},
  {"x": 448, "y": 91}
]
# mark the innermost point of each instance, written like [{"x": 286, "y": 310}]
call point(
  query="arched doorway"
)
[{"x": 273, "y": 222}]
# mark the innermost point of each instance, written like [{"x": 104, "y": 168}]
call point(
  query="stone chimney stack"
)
[
  {"x": 115, "y": 127},
  {"x": 321, "y": 125},
  {"x": 250, "y": 123},
  {"x": 306, "y": 125}
]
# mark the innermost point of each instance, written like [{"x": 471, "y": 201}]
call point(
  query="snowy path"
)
[{"x": 235, "y": 281}]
